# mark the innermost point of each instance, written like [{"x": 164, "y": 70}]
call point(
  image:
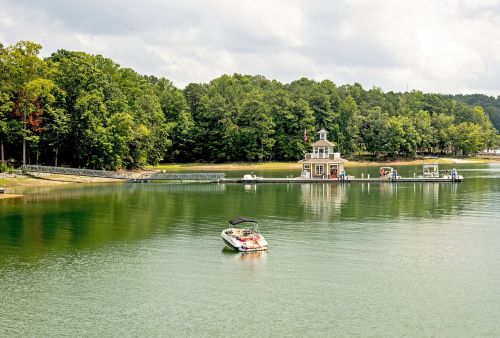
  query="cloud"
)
[{"x": 447, "y": 46}]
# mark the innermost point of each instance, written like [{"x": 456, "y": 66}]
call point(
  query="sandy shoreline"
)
[
  {"x": 20, "y": 181},
  {"x": 7, "y": 196},
  {"x": 297, "y": 166}
]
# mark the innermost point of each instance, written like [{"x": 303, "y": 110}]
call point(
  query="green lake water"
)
[{"x": 375, "y": 260}]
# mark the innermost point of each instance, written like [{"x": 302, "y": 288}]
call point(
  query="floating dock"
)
[
  {"x": 340, "y": 181},
  {"x": 387, "y": 175}
]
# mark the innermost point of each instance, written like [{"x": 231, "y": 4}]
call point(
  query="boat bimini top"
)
[{"x": 239, "y": 220}]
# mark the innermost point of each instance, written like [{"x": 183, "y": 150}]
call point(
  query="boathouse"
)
[{"x": 323, "y": 162}]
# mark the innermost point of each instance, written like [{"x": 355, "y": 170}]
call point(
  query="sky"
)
[{"x": 440, "y": 46}]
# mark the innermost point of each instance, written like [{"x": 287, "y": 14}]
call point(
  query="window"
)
[
  {"x": 319, "y": 169},
  {"x": 322, "y": 136},
  {"x": 307, "y": 166}
]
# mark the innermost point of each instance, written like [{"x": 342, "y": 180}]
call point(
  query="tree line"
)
[{"x": 84, "y": 110}]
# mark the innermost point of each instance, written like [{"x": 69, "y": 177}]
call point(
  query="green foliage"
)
[
  {"x": 467, "y": 137},
  {"x": 490, "y": 104},
  {"x": 3, "y": 167},
  {"x": 348, "y": 123},
  {"x": 84, "y": 110}
]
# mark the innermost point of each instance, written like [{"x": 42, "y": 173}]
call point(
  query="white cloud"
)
[{"x": 445, "y": 46}]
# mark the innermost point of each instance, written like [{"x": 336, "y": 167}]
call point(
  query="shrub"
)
[{"x": 6, "y": 168}]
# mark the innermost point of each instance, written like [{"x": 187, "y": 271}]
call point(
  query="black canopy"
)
[{"x": 240, "y": 219}]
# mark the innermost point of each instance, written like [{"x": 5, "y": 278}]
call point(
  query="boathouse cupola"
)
[
  {"x": 322, "y": 148},
  {"x": 322, "y": 134}
]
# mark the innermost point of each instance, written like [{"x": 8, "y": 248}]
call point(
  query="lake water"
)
[{"x": 383, "y": 260}]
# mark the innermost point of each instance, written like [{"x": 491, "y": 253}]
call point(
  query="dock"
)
[
  {"x": 387, "y": 175},
  {"x": 300, "y": 180}
]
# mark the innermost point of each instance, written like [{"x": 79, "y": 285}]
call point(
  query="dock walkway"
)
[
  {"x": 127, "y": 175},
  {"x": 76, "y": 171},
  {"x": 180, "y": 177},
  {"x": 337, "y": 181}
]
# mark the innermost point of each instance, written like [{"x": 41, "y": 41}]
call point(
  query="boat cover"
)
[{"x": 240, "y": 219}]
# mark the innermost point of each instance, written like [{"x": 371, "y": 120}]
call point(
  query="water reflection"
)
[
  {"x": 366, "y": 201},
  {"x": 250, "y": 187},
  {"x": 79, "y": 191},
  {"x": 246, "y": 260},
  {"x": 323, "y": 198},
  {"x": 75, "y": 217}
]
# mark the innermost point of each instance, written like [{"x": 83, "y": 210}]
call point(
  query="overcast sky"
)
[{"x": 436, "y": 46}]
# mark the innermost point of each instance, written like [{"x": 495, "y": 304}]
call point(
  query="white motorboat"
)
[
  {"x": 250, "y": 178},
  {"x": 244, "y": 239}
]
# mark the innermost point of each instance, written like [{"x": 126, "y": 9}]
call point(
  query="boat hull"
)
[{"x": 258, "y": 243}]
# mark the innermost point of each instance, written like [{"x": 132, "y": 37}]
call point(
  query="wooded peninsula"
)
[{"x": 84, "y": 110}]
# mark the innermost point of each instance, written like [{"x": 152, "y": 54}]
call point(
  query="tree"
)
[
  {"x": 467, "y": 138},
  {"x": 373, "y": 130},
  {"x": 348, "y": 126},
  {"x": 423, "y": 126},
  {"x": 5, "y": 108},
  {"x": 19, "y": 65},
  {"x": 256, "y": 128},
  {"x": 400, "y": 137},
  {"x": 441, "y": 124}
]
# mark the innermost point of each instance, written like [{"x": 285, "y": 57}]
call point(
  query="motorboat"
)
[
  {"x": 250, "y": 178},
  {"x": 245, "y": 239}
]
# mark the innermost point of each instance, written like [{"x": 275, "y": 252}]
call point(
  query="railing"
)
[
  {"x": 76, "y": 171},
  {"x": 161, "y": 176},
  {"x": 322, "y": 155},
  {"x": 144, "y": 177}
]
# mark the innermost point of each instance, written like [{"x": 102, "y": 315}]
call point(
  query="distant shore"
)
[{"x": 297, "y": 166}]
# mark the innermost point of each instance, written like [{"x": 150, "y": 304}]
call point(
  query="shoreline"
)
[
  {"x": 9, "y": 196},
  {"x": 19, "y": 181},
  {"x": 235, "y": 166}
]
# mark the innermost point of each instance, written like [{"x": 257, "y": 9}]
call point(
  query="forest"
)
[{"x": 82, "y": 110}]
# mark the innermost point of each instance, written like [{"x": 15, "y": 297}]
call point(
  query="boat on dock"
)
[
  {"x": 245, "y": 239},
  {"x": 389, "y": 173},
  {"x": 251, "y": 178},
  {"x": 386, "y": 175},
  {"x": 431, "y": 170}
]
